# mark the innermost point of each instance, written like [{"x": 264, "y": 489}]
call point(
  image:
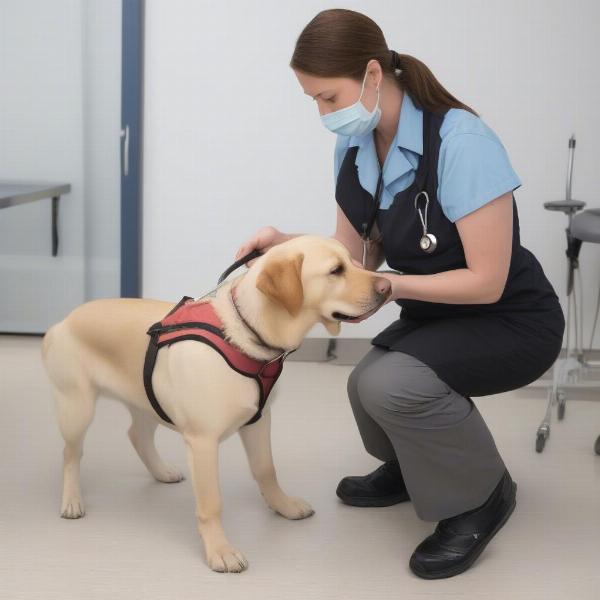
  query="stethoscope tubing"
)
[{"x": 428, "y": 241}]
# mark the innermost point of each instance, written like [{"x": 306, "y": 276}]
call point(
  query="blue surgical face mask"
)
[{"x": 354, "y": 119}]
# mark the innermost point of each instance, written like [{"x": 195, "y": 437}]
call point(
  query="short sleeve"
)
[{"x": 473, "y": 170}]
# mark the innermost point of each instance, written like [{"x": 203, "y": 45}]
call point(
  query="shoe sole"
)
[
  {"x": 373, "y": 501},
  {"x": 464, "y": 566}
]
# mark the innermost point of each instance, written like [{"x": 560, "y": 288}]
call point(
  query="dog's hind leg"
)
[
  {"x": 141, "y": 434},
  {"x": 75, "y": 411}
]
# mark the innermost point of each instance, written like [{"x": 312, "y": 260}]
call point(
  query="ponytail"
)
[{"x": 339, "y": 42}]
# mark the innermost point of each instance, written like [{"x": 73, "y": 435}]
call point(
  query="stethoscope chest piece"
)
[{"x": 428, "y": 241}]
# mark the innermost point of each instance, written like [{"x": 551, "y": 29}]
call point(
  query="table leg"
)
[{"x": 55, "y": 200}]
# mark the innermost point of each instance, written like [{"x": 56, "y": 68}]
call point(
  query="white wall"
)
[{"x": 232, "y": 143}]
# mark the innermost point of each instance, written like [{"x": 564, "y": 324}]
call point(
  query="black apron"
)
[{"x": 477, "y": 349}]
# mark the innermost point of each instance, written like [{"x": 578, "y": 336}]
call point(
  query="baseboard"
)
[{"x": 346, "y": 351}]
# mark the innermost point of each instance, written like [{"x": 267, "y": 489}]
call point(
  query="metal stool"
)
[{"x": 567, "y": 373}]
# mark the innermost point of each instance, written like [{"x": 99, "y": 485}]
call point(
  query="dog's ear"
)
[
  {"x": 332, "y": 326},
  {"x": 280, "y": 281}
]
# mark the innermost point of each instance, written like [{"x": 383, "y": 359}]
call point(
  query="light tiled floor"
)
[{"x": 139, "y": 539}]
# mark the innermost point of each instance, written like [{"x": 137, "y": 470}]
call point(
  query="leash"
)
[
  {"x": 256, "y": 252},
  {"x": 238, "y": 263}
]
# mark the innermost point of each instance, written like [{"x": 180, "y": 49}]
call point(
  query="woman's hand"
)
[
  {"x": 393, "y": 295},
  {"x": 263, "y": 239}
]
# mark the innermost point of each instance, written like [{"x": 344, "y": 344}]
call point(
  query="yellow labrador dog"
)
[{"x": 99, "y": 348}]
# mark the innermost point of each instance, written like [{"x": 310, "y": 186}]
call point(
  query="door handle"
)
[{"x": 125, "y": 134}]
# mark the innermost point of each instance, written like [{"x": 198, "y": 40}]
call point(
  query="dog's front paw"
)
[
  {"x": 226, "y": 559},
  {"x": 294, "y": 508},
  {"x": 72, "y": 508}
]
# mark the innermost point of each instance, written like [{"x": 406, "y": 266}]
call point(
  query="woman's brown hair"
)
[{"x": 339, "y": 43}]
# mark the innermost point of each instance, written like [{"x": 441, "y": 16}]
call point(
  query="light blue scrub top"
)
[{"x": 473, "y": 166}]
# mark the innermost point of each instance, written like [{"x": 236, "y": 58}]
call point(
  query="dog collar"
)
[{"x": 261, "y": 342}]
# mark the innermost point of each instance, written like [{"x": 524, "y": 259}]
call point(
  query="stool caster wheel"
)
[
  {"x": 562, "y": 400},
  {"x": 597, "y": 445},
  {"x": 540, "y": 441}
]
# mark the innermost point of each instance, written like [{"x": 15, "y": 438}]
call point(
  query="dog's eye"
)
[{"x": 337, "y": 271}]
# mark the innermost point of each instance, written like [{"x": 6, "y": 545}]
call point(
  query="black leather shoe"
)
[
  {"x": 457, "y": 542},
  {"x": 383, "y": 487}
]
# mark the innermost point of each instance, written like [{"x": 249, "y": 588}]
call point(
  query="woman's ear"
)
[{"x": 280, "y": 281}]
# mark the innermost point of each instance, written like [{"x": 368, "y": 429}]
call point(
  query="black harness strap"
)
[
  {"x": 153, "y": 347},
  {"x": 150, "y": 361}
]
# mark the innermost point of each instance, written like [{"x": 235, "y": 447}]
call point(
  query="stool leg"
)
[
  {"x": 575, "y": 314},
  {"x": 595, "y": 322},
  {"x": 560, "y": 369},
  {"x": 580, "y": 348},
  {"x": 55, "y": 225}
]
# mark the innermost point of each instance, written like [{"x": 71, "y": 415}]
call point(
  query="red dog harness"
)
[{"x": 199, "y": 321}]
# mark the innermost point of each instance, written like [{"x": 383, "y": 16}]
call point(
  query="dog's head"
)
[{"x": 314, "y": 278}]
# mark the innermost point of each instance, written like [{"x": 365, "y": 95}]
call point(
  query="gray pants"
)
[{"x": 403, "y": 410}]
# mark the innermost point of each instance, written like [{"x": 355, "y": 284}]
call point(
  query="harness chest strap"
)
[{"x": 199, "y": 321}]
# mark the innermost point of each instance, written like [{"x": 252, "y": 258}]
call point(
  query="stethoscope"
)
[{"x": 428, "y": 241}]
